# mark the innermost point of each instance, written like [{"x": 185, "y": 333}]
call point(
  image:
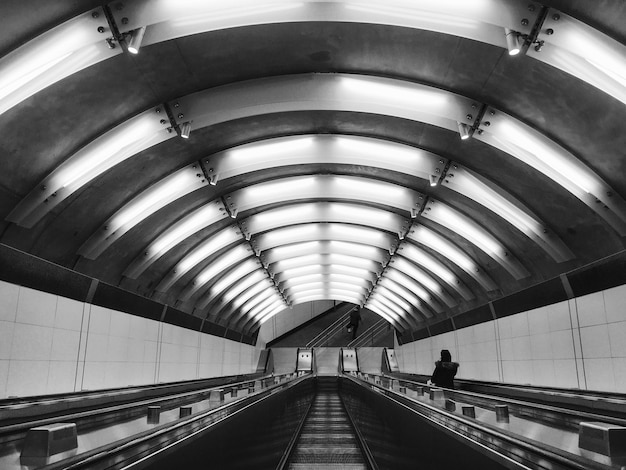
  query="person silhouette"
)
[
  {"x": 445, "y": 370},
  {"x": 355, "y": 319}
]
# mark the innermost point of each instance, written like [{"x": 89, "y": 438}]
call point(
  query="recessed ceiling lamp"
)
[{"x": 513, "y": 42}]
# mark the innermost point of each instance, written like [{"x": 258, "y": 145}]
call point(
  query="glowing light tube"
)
[
  {"x": 388, "y": 314},
  {"x": 218, "y": 266},
  {"x": 325, "y": 187},
  {"x": 235, "y": 290},
  {"x": 317, "y": 231},
  {"x": 511, "y": 210},
  {"x": 303, "y": 298},
  {"x": 52, "y": 56},
  {"x": 415, "y": 298},
  {"x": 331, "y": 149},
  {"x": 467, "y": 228},
  {"x": 285, "y": 252},
  {"x": 269, "y": 314},
  {"x": 141, "y": 207},
  {"x": 204, "y": 250},
  {"x": 325, "y": 259},
  {"x": 117, "y": 145},
  {"x": 328, "y": 279},
  {"x": 176, "y": 233},
  {"x": 333, "y": 269},
  {"x": 326, "y": 212},
  {"x": 407, "y": 267},
  {"x": 447, "y": 249}
]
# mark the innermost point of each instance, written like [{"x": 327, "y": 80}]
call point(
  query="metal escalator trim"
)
[
  {"x": 485, "y": 437},
  {"x": 292, "y": 442},
  {"x": 165, "y": 437},
  {"x": 568, "y": 418},
  {"x": 369, "y": 457}
]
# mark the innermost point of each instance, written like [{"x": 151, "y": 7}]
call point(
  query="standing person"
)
[
  {"x": 355, "y": 318},
  {"x": 445, "y": 370}
]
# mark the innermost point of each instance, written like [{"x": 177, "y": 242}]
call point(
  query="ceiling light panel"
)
[
  {"x": 417, "y": 289},
  {"x": 103, "y": 153},
  {"x": 246, "y": 283},
  {"x": 317, "y": 231},
  {"x": 326, "y": 259},
  {"x": 416, "y": 299},
  {"x": 328, "y": 279},
  {"x": 285, "y": 252},
  {"x": 330, "y": 269},
  {"x": 231, "y": 277},
  {"x": 216, "y": 267},
  {"x": 325, "y": 212},
  {"x": 179, "y": 231},
  {"x": 204, "y": 250},
  {"x": 471, "y": 231},
  {"x": 345, "y": 286},
  {"x": 54, "y": 55},
  {"x": 449, "y": 250},
  {"x": 377, "y": 95},
  {"x": 388, "y": 314},
  {"x": 156, "y": 197},
  {"x": 511, "y": 210},
  {"x": 327, "y": 187},
  {"x": 331, "y": 149},
  {"x": 304, "y": 298},
  {"x": 412, "y": 268},
  {"x": 394, "y": 299}
]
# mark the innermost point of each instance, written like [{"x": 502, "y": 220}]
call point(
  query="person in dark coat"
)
[
  {"x": 355, "y": 319},
  {"x": 445, "y": 370}
]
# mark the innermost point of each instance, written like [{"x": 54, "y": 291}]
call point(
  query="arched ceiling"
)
[{"x": 256, "y": 155}]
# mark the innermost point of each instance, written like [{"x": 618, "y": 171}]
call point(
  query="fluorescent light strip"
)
[
  {"x": 232, "y": 293},
  {"x": 318, "y": 149},
  {"x": 389, "y": 314},
  {"x": 348, "y": 92},
  {"x": 327, "y": 286},
  {"x": 300, "y": 299},
  {"x": 325, "y": 279},
  {"x": 199, "y": 219},
  {"x": 294, "y": 250},
  {"x": 474, "y": 233},
  {"x": 50, "y": 57},
  {"x": 204, "y": 250},
  {"x": 318, "y": 231},
  {"x": 264, "y": 316},
  {"x": 327, "y": 294},
  {"x": 141, "y": 207},
  {"x": 325, "y": 187},
  {"x": 448, "y": 250},
  {"x": 326, "y": 212},
  {"x": 414, "y": 298},
  {"x": 513, "y": 211},
  {"x": 394, "y": 300},
  {"x": 231, "y": 277},
  {"x": 217, "y": 267},
  {"x": 416, "y": 288},
  {"x": 414, "y": 271},
  {"x": 122, "y": 142},
  {"x": 325, "y": 259},
  {"x": 331, "y": 269}
]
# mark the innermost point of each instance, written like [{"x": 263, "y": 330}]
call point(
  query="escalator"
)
[{"x": 327, "y": 438}]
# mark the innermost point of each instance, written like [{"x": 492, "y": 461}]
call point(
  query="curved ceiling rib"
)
[
  {"x": 282, "y": 189},
  {"x": 87, "y": 39},
  {"x": 340, "y": 92}
]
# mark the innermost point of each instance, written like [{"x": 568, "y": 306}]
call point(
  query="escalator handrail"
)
[
  {"x": 375, "y": 329},
  {"x": 369, "y": 457},
  {"x": 294, "y": 439},
  {"x": 110, "y": 451},
  {"x": 569, "y": 461},
  {"x": 330, "y": 330}
]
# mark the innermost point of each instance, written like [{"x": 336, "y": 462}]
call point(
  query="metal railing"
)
[
  {"x": 329, "y": 331},
  {"x": 369, "y": 336}
]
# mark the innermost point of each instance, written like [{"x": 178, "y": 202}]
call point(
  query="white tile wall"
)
[
  {"x": 580, "y": 343},
  {"x": 51, "y": 344}
]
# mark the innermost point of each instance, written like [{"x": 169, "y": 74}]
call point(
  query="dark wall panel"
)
[
  {"x": 25, "y": 270},
  {"x": 441, "y": 327},
  {"x": 473, "y": 317},
  {"x": 182, "y": 319},
  {"x": 112, "y": 297},
  {"x": 546, "y": 293},
  {"x": 600, "y": 276}
]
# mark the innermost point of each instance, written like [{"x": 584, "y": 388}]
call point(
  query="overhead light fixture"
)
[
  {"x": 185, "y": 130},
  {"x": 465, "y": 131},
  {"x": 513, "y": 42},
  {"x": 434, "y": 180},
  {"x": 136, "y": 36}
]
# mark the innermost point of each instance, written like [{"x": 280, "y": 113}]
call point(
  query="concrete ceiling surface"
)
[{"x": 353, "y": 105}]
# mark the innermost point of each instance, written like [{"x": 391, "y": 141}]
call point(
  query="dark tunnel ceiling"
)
[{"x": 353, "y": 106}]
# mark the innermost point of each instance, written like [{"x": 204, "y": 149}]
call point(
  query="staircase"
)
[{"x": 327, "y": 439}]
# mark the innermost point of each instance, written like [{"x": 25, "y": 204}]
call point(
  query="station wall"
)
[
  {"x": 578, "y": 343},
  {"x": 53, "y": 344}
]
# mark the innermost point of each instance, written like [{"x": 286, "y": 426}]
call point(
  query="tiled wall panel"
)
[
  {"x": 579, "y": 343},
  {"x": 51, "y": 344}
]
